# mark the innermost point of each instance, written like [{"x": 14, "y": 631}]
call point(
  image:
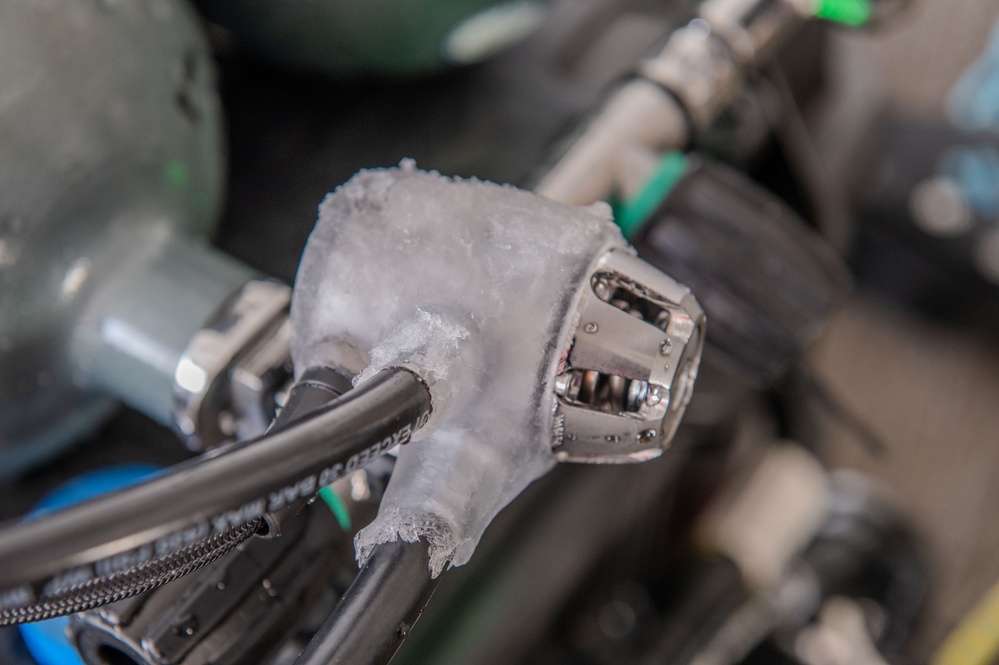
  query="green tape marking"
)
[
  {"x": 848, "y": 12},
  {"x": 631, "y": 215},
  {"x": 337, "y": 506}
]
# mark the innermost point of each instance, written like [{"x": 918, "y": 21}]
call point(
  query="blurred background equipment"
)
[
  {"x": 774, "y": 553},
  {"x": 385, "y": 38}
]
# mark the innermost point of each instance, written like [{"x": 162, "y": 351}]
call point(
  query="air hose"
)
[
  {"x": 119, "y": 545},
  {"x": 132, "y": 581}
]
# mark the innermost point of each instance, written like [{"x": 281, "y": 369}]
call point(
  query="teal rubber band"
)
[
  {"x": 632, "y": 215},
  {"x": 337, "y": 507}
]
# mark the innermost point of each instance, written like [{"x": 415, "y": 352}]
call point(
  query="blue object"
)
[
  {"x": 976, "y": 170},
  {"x": 47, "y": 641},
  {"x": 973, "y": 102}
]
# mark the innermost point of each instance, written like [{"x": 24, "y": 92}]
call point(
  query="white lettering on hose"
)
[
  {"x": 124, "y": 560},
  {"x": 68, "y": 579},
  {"x": 307, "y": 486},
  {"x": 330, "y": 474},
  {"x": 291, "y": 493},
  {"x": 16, "y": 597},
  {"x": 231, "y": 519},
  {"x": 180, "y": 539}
]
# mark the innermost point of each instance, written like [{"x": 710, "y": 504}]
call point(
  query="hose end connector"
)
[{"x": 628, "y": 373}]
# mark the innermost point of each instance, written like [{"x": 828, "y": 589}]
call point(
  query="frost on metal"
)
[{"x": 469, "y": 285}]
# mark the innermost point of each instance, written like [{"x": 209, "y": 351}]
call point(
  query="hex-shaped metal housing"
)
[{"x": 629, "y": 370}]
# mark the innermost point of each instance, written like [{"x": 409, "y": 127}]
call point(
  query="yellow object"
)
[{"x": 975, "y": 641}]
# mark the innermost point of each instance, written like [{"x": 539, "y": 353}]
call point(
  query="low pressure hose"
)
[
  {"x": 107, "y": 548},
  {"x": 386, "y": 598}
]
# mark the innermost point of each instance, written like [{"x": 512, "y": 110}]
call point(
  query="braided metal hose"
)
[{"x": 131, "y": 581}]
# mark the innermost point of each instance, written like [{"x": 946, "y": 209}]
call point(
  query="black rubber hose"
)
[
  {"x": 378, "y": 610},
  {"x": 316, "y": 388},
  {"x": 210, "y": 494}
]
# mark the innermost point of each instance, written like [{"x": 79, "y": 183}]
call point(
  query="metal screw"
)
[
  {"x": 648, "y": 436},
  {"x": 602, "y": 289},
  {"x": 591, "y": 327},
  {"x": 186, "y": 627},
  {"x": 637, "y": 394},
  {"x": 667, "y": 347}
]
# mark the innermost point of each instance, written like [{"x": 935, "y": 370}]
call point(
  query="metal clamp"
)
[
  {"x": 226, "y": 381},
  {"x": 629, "y": 371},
  {"x": 704, "y": 62},
  {"x": 696, "y": 66}
]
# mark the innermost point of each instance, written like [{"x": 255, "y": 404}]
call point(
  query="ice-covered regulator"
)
[{"x": 539, "y": 333}]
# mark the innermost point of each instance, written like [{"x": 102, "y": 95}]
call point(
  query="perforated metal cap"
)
[{"x": 628, "y": 373}]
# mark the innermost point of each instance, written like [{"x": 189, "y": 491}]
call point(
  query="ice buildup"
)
[{"x": 470, "y": 285}]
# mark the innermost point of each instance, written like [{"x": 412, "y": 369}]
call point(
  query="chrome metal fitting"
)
[
  {"x": 697, "y": 66},
  {"x": 629, "y": 371},
  {"x": 755, "y": 29},
  {"x": 704, "y": 62},
  {"x": 227, "y": 380}
]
